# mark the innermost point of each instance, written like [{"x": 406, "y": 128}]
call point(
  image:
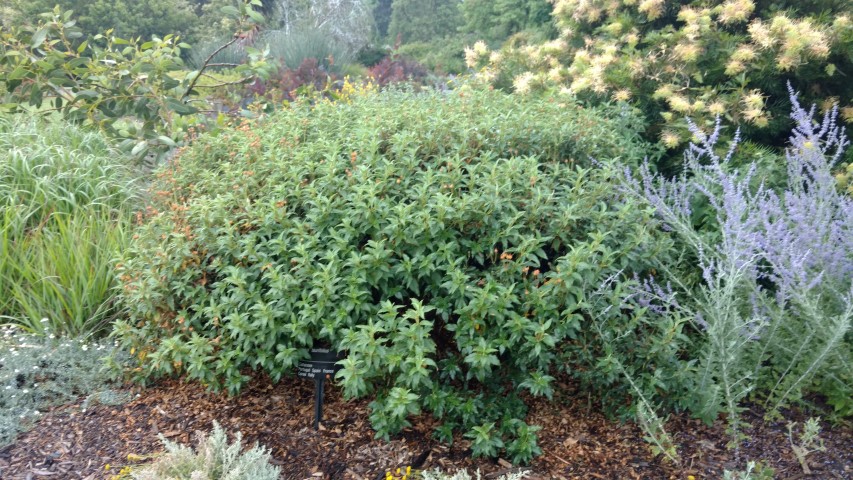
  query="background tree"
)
[
  {"x": 127, "y": 18},
  {"x": 496, "y": 20},
  {"x": 382, "y": 16},
  {"x": 424, "y": 20}
]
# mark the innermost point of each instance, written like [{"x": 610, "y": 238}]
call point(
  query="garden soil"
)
[{"x": 577, "y": 441}]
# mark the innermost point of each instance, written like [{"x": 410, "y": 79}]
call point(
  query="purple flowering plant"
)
[{"x": 774, "y": 304}]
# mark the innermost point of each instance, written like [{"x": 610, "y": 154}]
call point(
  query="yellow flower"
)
[
  {"x": 679, "y": 103},
  {"x": 107, "y": 467},
  {"x": 736, "y": 11},
  {"x": 717, "y": 108},
  {"x": 670, "y": 139},
  {"x": 522, "y": 82},
  {"x": 652, "y": 8}
]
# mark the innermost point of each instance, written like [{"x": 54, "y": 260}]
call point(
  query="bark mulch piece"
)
[{"x": 577, "y": 441}]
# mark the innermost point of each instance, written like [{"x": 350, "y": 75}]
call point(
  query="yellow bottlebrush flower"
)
[
  {"x": 698, "y": 106},
  {"x": 532, "y": 53},
  {"x": 614, "y": 28},
  {"x": 761, "y": 121},
  {"x": 521, "y": 84},
  {"x": 622, "y": 95},
  {"x": 495, "y": 57},
  {"x": 760, "y": 34},
  {"x": 735, "y": 11},
  {"x": 471, "y": 57},
  {"x": 555, "y": 75},
  {"x": 751, "y": 114},
  {"x": 663, "y": 92},
  {"x": 688, "y": 52},
  {"x": 636, "y": 67},
  {"x": 555, "y": 47},
  {"x": 744, "y": 53},
  {"x": 679, "y": 103},
  {"x": 480, "y": 48},
  {"x": 787, "y": 62},
  {"x": 780, "y": 24},
  {"x": 579, "y": 84},
  {"x": 582, "y": 55},
  {"x": 593, "y": 15},
  {"x": 717, "y": 108},
  {"x": 688, "y": 15},
  {"x": 670, "y": 139},
  {"x": 819, "y": 46},
  {"x": 827, "y": 104},
  {"x": 632, "y": 39},
  {"x": 652, "y": 8},
  {"x": 847, "y": 114},
  {"x": 754, "y": 99},
  {"x": 734, "y": 67},
  {"x": 488, "y": 75}
]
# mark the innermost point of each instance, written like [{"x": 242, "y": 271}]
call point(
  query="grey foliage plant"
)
[
  {"x": 213, "y": 459},
  {"x": 775, "y": 299}
]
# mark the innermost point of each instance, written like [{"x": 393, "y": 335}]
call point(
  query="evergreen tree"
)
[
  {"x": 496, "y": 20},
  {"x": 424, "y": 20}
]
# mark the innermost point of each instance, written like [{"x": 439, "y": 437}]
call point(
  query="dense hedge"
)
[{"x": 455, "y": 245}]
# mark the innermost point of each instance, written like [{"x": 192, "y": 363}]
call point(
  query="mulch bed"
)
[{"x": 577, "y": 441}]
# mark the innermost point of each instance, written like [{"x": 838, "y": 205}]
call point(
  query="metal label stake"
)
[{"x": 322, "y": 362}]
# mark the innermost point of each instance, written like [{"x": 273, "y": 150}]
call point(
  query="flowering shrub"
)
[
  {"x": 39, "y": 372},
  {"x": 446, "y": 242},
  {"x": 703, "y": 58},
  {"x": 775, "y": 300},
  {"x": 213, "y": 459}
]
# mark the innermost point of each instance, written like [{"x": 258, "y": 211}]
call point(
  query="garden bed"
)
[{"x": 576, "y": 440}]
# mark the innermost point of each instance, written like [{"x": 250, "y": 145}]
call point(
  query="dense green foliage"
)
[
  {"x": 497, "y": 20},
  {"x": 423, "y": 20},
  {"x": 451, "y": 244},
  {"x": 194, "y": 20},
  {"x": 64, "y": 196}
]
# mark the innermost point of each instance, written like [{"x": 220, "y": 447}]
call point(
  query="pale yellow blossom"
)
[{"x": 735, "y": 11}]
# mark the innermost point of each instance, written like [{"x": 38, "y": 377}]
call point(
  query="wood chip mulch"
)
[{"x": 577, "y": 441}]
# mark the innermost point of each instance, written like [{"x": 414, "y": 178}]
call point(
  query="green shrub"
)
[
  {"x": 65, "y": 205},
  {"x": 214, "y": 459},
  {"x": 446, "y": 242}
]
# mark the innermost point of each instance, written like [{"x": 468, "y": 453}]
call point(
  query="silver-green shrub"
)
[
  {"x": 213, "y": 459},
  {"x": 464, "y": 475},
  {"x": 773, "y": 297},
  {"x": 39, "y": 372}
]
